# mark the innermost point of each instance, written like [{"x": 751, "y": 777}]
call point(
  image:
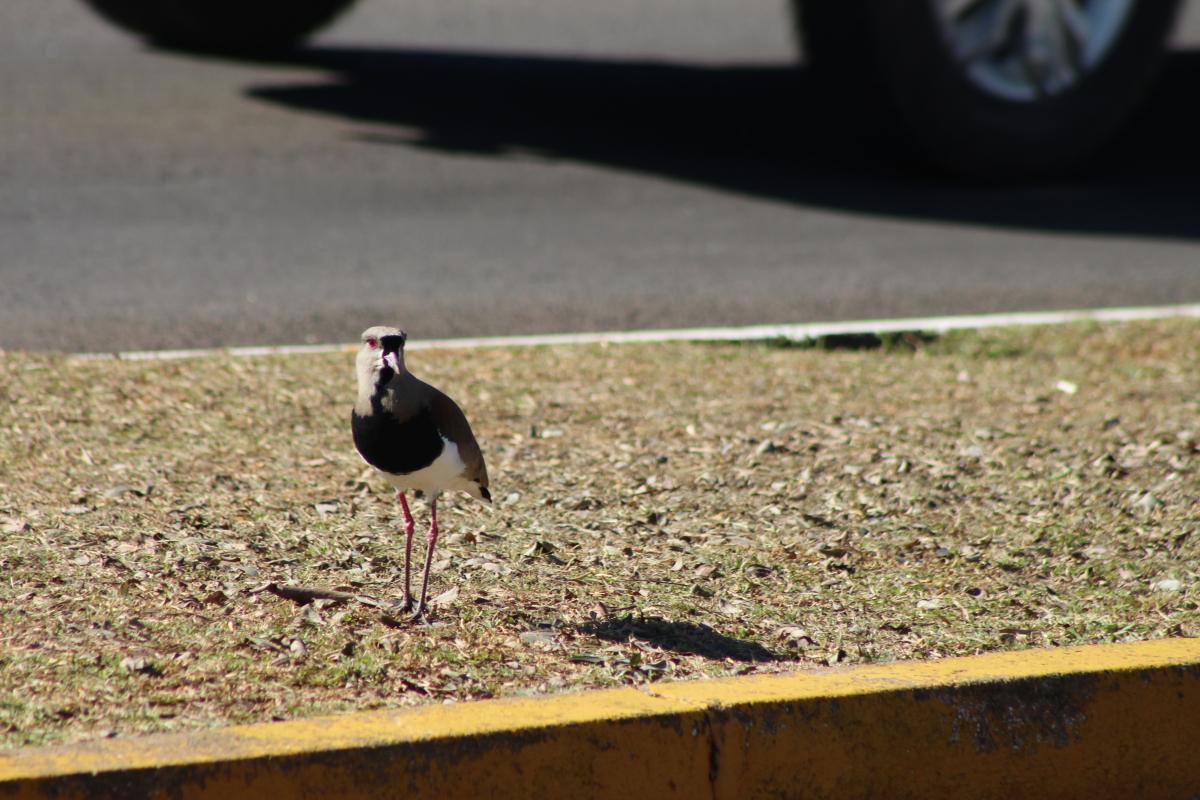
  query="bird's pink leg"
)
[
  {"x": 408, "y": 536},
  {"x": 431, "y": 539}
]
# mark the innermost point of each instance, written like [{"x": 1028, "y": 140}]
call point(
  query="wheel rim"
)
[{"x": 1026, "y": 50}]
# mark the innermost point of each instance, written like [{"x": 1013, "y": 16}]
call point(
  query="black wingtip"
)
[{"x": 483, "y": 491}]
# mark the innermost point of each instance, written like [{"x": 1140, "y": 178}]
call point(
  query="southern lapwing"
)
[{"x": 417, "y": 437}]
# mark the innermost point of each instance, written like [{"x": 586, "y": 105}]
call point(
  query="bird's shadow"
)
[
  {"x": 685, "y": 638},
  {"x": 772, "y": 132}
]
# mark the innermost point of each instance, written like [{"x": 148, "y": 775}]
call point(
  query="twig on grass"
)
[{"x": 304, "y": 595}]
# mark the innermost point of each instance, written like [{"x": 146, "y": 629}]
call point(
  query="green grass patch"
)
[{"x": 663, "y": 512}]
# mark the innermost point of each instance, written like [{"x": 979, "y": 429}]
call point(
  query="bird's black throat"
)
[{"x": 395, "y": 446}]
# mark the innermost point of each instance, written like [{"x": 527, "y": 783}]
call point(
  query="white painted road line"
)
[{"x": 796, "y": 332}]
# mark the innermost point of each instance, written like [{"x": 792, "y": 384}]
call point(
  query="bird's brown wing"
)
[{"x": 453, "y": 424}]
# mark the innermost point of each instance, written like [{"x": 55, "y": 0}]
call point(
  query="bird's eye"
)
[{"x": 372, "y": 343}]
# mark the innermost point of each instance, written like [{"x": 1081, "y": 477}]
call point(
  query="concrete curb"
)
[
  {"x": 792, "y": 332},
  {"x": 1099, "y": 721}
]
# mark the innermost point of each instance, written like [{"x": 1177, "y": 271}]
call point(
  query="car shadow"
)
[
  {"x": 687, "y": 638},
  {"x": 764, "y": 132}
]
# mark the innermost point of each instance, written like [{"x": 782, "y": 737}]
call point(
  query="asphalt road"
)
[{"x": 518, "y": 166}]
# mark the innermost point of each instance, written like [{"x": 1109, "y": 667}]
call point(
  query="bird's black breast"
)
[{"x": 393, "y": 446}]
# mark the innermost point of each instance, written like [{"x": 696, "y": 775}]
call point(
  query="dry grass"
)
[{"x": 662, "y": 512}]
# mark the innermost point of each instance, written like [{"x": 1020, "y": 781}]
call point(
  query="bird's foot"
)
[
  {"x": 418, "y": 616},
  {"x": 402, "y": 607}
]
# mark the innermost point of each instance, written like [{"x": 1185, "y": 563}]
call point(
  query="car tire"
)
[
  {"x": 900, "y": 54},
  {"x": 245, "y": 26}
]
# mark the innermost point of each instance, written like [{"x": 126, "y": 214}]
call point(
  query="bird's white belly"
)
[{"x": 445, "y": 473}]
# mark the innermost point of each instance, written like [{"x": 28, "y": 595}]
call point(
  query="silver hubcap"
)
[{"x": 1025, "y": 50}]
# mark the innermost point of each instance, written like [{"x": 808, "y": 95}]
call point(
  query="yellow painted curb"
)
[{"x": 1120, "y": 721}]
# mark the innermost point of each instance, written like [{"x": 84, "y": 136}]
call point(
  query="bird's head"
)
[{"x": 381, "y": 356}]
